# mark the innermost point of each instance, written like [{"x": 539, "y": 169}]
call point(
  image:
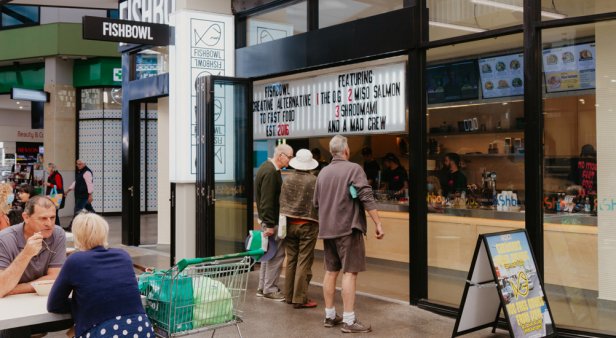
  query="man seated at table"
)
[{"x": 32, "y": 250}]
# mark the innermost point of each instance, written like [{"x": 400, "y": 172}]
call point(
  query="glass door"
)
[{"x": 224, "y": 164}]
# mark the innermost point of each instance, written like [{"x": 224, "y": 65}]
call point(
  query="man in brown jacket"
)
[
  {"x": 342, "y": 226},
  {"x": 267, "y": 195}
]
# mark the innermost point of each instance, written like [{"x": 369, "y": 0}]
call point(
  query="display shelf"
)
[{"x": 502, "y": 131}]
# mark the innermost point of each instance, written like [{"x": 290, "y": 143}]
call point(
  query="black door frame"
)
[
  {"x": 205, "y": 231},
  {"x": 133, "y": 94}
]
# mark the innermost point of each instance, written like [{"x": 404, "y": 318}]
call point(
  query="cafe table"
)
[{"x": 25, "y": 310}]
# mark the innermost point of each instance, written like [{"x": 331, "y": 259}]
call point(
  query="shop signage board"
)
[
  {"x": 143, "y": 33},
  {"x": 503, "y": 276},
  {"x": 204, "y": 45},
  {"x": 361, "y": 101},
  {"x": 29, "y": 95}
]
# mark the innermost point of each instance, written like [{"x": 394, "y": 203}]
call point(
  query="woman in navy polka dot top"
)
[{"x": 106, "y": 300}]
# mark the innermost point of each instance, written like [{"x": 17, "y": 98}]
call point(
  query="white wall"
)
[
  {"x": 15, "y": 118},
  {"x": 72, "y": 15},
  {"x": 164, "y": 191},
  {"x": 185, "y": 219}
]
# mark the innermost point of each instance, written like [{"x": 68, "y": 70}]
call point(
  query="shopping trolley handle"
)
[{"x": 185, "y": 262}]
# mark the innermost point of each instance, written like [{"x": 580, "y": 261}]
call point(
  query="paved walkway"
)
[{"x": 264, "y": 318}]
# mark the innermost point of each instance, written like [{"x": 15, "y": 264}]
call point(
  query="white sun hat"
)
[{"x": 303, "y": 160}]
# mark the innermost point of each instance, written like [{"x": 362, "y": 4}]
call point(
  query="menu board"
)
[
  {"x": 569, "y": 68},
  {"x": 502, "y": 76},
  {"x": 452, "y": 82},
  {"x": 519, "y": 286}
]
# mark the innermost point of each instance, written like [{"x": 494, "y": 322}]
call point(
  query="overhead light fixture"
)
[
  {"x": 458, "y": 27},
  {"x": 516, "y": 8}
]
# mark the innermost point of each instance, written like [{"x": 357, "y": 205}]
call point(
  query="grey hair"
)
[
  {"x": 282, "y": 148},
  {"x": 337, "y": 145},
  {"x": 41, "y": 201},
  {"x": 52, "y": 165}
]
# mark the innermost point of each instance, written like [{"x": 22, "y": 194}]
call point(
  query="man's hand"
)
[
  {"x": 90, "y": 199},
  {"x": 379, "y": 231},
  {"x": 34, "y": 245},
  {"x": 268, "y": 232}
]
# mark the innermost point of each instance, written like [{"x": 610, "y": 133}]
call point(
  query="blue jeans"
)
[{"x": 82, "y": 203}]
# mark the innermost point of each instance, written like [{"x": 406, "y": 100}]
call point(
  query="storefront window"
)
[
  {"x": 277, "y": 24},
  {"x": 579, "y": 200},
  {"x": 341, "y": 11},
  {"x": 366, "y": 103},
  {"x": 17, "y": 15},
  {"x": 476, "y": 154},
  {"x": 573, "y": 8},
  {"x": 151, "y": 62},
  {"x": 450, "y": 18}
]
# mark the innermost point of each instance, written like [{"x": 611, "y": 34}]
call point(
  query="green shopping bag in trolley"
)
[{"x": 169, "y": 299}]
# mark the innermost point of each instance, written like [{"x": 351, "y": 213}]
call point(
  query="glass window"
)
[
  {"x": 151, "y": 62},
  {"x": 450, "y": 18},
  {"x": 16, "y": 15},
  {"x": 277, "y": 24},
  {"x": 113, "y": 14},
  {"x": 341, "y": 11},
  {"x": 476, "y": 154},
  {"x": 573, "y": 8},
  {"x": 579, "y": 213}
]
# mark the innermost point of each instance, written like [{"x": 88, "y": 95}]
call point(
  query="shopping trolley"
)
[{"x": 198, "y": 294}]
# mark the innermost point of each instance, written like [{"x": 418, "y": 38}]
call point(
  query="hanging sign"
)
[
  {"x": 97, "y": 28},
  {"x": 363, "y": 101},
  {"x": 503, "y": 275}
]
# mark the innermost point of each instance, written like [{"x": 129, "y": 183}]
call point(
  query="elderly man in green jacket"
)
[{"x": 267, "y": 183}]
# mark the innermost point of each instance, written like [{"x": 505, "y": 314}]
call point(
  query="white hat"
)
[{"x": 303, "y": 160}]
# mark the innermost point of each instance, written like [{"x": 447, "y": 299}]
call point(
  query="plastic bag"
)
[
  {"x": 168, "y": 301},
  {"x": 282, "y": 227},
  {"x": 55, "y": 197},
  {"x": 213, "y": 302}
]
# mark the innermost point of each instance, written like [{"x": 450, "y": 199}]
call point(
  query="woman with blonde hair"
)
[
  {"x": 6, "y": 199},
  {"x": 106, "y": 299}
]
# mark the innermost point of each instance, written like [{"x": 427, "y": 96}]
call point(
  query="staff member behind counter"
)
[
  {"x": 456, "y": 182},
  {"x": 395, "y": 179}
]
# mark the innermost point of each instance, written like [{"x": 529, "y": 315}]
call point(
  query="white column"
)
[{"x": 606, "y": 157}]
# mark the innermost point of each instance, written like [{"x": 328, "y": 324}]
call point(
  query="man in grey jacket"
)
[
  {"x": 342, "y": 226},
  {"x": 268, "y": 181}
]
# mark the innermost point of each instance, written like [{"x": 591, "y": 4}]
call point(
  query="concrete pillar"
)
[{"x": 60, "y": 121}]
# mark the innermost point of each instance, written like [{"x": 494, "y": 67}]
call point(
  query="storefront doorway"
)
[{"x": 224, "y": 166}]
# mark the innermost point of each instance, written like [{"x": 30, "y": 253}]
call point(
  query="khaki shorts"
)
[{"x": 346, "y": 253}]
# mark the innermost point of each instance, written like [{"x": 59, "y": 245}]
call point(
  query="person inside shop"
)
[
  {"x": 54, "y": 180},
  {"x": 316, "y": 154},
  {"x": 444, "y": 173},
  {"x": 371, "y": 167},
  {"x": 584, "y": 171},
  {"x": 456, "y": 184},
  {"x": 395, "y": 179}
]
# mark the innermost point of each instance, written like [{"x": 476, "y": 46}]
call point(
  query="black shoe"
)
[{"x": 328, "y": 322}]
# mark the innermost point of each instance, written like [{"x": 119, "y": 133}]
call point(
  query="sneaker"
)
[
  {"x": 260, "y": 293},
  {"x": 328, "y": 322},
  {"x": 277, "y": 296},
  {"x": 356, "y": 327}
]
